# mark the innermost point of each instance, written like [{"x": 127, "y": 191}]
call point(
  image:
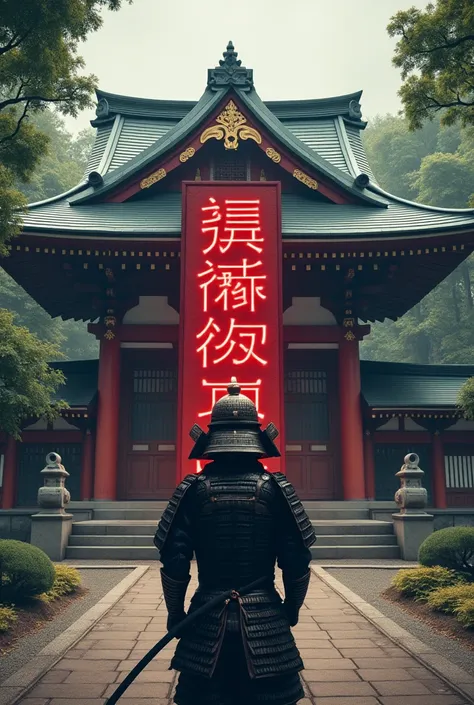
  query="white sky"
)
[{"x": 297, "y": 49}]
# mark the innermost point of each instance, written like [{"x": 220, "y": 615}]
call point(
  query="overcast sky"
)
[{"x": 297, "y": 49}]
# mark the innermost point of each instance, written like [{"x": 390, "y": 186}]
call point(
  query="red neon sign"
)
[{"x": 231, "y": 309}]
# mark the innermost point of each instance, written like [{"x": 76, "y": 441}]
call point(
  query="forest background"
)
[{"x": 433, "y": 165}]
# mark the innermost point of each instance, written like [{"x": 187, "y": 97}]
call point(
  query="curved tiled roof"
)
[
  {"x": 396, "y": 385},
  {"x": 386, "y": 385},
  {"x": 160, "y": 215}
]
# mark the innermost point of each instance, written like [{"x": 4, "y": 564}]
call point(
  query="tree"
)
[
  {"x": 39, "y": 66},
  {"x": 27, "y": 382},
  {"x": 440, "y": 329},
  {"x": 436, "y": 55},
  {"x": 466, "y": 398},
  {"x": 445, "y": 180}
]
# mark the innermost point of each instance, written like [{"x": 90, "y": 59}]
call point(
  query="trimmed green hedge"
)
[
  {"x": 451, "y": 548},
  {"x": 465, "y": 613},
  {"x": 8, "y": 617},
  {"x": 25, "y": 571}
]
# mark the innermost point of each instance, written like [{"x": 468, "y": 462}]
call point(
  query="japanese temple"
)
[{"x": 345, "y": 254}]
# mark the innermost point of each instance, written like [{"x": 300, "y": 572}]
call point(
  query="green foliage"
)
[
  {"x": 435, "y": 166},
  {"x": 465, "y": 613},
  {"x": 8, "y": 617},
  {"x": 452, "y": 548},
  {"x": 466, "y": 399},
  {"x": 67, "y": 580},
  {"x": 25, "y": 571},
  {"x": 27, "y": 382},
  {"x": 435, "y": 52},
  {"x": 57, "y": 172},
  {"x": 419, "y": 583},
  {"x": 39, "y": 66},
  {"x": 446, "y": 180},
  {"x": 449, "y": 598}
]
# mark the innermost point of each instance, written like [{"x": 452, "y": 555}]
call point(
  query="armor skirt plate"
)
[
  {"x": 231, "y": 684},
  {"x": 268, "y": 646}
]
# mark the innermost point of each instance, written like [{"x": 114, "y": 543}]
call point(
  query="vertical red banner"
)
[{"x": 231, "y": 304}]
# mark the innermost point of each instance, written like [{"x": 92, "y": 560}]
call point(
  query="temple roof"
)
[
  {"x": 385, "y": 385},
  {"x": 323, "y": 134},
  {"x": 393, "y": 385},
  {"x": 160, "y": 216}
]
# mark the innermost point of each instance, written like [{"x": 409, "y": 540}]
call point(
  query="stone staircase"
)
[{"x": 124, "y": 531}]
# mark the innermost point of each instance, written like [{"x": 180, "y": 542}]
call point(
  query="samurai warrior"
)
[{"x": 238, "y": 520}]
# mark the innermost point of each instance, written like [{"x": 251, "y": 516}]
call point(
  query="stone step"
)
[
  {"x": 148, "y": 527},
  {"x": 145, "y": 540},
  {"x": 147, "y": 552},
  {"x": 355, "y": 552},
  {"x": 154, "y": 513}
]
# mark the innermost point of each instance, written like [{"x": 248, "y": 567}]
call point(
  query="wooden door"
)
[
  {"x": 149, "y": 409},
  {"x": 311, "y": 423}
]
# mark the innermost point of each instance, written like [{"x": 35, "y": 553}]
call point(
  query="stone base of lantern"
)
[
  {"x": 51, "y": 532},
  {"x": 411, "y": 530}
]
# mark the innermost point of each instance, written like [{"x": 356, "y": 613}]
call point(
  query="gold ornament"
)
[
  {"x": 187, "y": 154},
  {"x": 231, "y": 126},
  {"x": 305, "y": 179},
  {"x": 109, "y": 335},
  {"x": 273, "y": 155},
  {"x": 348, "y": 322},
  {"x": 153, "y": 178},
  {"x": 349, "y": 335}
]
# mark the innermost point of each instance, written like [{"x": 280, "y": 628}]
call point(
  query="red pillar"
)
[
  {"x": 439, "y": 477},
  {"x": 352, "y": 443},
  {"x": 87, "y": 469},
  {"x": 106, "y": 446},
  {"x": 369, "y": 465},
  {"x": 9, "y": 474}
]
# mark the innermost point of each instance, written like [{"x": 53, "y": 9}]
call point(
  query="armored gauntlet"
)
[
  {"x": 174, "y": 592},
  {"x": 295, "y": 592}
]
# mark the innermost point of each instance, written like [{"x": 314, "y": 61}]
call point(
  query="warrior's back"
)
[{"x": 236, "y": 523}]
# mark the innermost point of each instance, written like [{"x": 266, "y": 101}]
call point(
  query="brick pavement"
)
[{"x": 348, "y": 661}]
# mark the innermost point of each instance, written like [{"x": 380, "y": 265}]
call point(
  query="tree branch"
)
[
  {"x": 18, "y": 125},
  {"x": 34, "y": 98},
  {"x": 447, "y": 44},
  {"x": 14, "y": 42}
]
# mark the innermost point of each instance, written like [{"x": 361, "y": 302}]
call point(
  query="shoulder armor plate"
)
[
  {"x": 297, "y": 509},
  {"x": 171, "y": 510}
]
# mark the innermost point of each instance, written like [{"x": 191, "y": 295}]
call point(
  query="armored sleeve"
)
[
  {"x": 175, "y": 541},
  {"x": 294, "y": 538}
]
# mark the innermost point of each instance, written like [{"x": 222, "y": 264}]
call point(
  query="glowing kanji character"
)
[
  {"x": 219, "y": 389},
  {"x": 215, "y": 217},
  {"x": 234, "y": 279},
  {"x": 242, "y": 223},
  {"x": 210, "y": 329},
  {"x": 243, "y": 332}
]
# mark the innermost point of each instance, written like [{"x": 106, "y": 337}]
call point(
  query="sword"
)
[{"x": 178, "y": 632}]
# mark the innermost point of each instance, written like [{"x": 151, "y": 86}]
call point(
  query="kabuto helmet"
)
[{"x": 234, "y": 428}]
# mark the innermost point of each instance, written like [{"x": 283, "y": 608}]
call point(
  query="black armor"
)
[{"x": 238, "y": 520}]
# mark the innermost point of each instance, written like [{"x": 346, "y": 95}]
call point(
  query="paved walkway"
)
[{"x": 348, "y": 661}]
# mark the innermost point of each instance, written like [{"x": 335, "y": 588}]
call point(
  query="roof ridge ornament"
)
[{"x": 230, "y": 72}]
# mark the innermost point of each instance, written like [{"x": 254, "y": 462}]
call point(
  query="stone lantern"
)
[
  {"x": 412, "y": 523},
  {"x": 53, "y": 496},
  {"x": 412, "y": 497},
  {"x": 51, "y": 527}
]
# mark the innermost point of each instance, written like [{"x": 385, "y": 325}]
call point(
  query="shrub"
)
[
  {"x": 451, "y": 548},
  {"x": 449, "y": 598},
  {"x": 66, "y": 581},
  {"x": 465, "y": 613},
  {"x": 8, "y": 617},
  {"x": 25, "y": 571},
  {"x": 420, "y": 582}
]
